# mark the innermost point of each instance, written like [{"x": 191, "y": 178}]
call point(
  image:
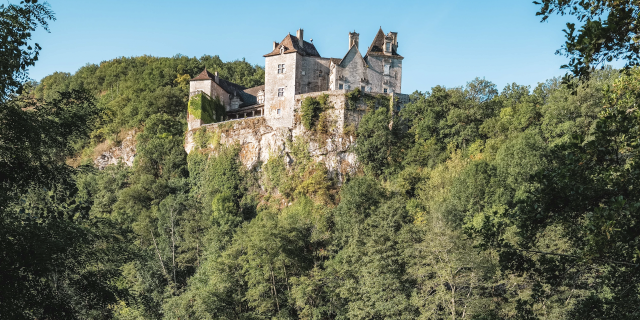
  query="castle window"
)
[
  {"x": 362, "y": 88},
  {"x": 261, "y": 97},
  {"x": 340, "y": 86},
  {"x": 279, "y": 111},
  {"x": 280, "y": 92},
  {"x": 281, "y": 68},
  {"x": 385, "y": 90},
  {"x": 320, "y": 73},
  {"x": 388, "y": 47}
]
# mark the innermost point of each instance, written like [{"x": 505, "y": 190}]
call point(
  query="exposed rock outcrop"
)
[
  {"x": 259, "y": 142},
  {"x": 125, "y": 152}
]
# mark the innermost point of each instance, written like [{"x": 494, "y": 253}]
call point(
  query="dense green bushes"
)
[
  {"x": 519, "y": 204},
  {"x": 312, "y": 109},
  {"x": 130, "y": 90}
]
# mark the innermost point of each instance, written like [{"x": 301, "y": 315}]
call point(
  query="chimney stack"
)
[
  {"x": 299, "y": 35},
  {"x": 215, "y": 77},
  {"x": 354, "y": 39},
  {"x": 275, "y": 44}
]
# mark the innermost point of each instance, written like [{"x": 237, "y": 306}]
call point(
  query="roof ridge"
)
[{"x": 291, "y": 44}]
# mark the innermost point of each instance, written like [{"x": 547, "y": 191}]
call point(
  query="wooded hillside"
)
[{"x": 477, "y": 203}]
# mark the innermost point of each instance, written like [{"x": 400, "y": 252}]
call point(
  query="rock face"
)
[
  {"x": 124, "y": 153},
  {"x": 259, "y": 141}
]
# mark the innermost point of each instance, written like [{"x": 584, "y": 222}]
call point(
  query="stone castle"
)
[
  {"x": 294, "y": 67},
  {"x": 294, "y": 70}
]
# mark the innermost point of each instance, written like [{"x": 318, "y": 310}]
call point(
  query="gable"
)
[{"x": 352, "y": 56}]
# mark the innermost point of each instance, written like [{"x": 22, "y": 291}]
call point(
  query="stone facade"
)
[
  {"x": 294, "y": 70},
  {"x": 259, "y": 141},
  {"x": 295, "y": 67}
]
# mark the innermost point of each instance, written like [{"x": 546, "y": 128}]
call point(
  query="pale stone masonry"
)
[{"x": 294, "y": 68}]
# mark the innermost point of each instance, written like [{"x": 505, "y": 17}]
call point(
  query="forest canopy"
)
[{"x": 477, "y": 203}]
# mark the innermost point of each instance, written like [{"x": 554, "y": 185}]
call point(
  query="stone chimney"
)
[
  {"x": 395, "y": 38},
  {"x": 300, "y": 35},
  {"x": 275, "y": 44},
  {"x": 215, "y": 77},
  {"x": 354, "y": 39}
]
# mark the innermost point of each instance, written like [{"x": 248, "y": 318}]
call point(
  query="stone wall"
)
[
  {"x": 351, "y": 71},
  {"x": 314, "y": 75},
  {"x": 274, "y": 81},
  {"x": 259, "y": 140},
  {"x": 379, "y": 80}
]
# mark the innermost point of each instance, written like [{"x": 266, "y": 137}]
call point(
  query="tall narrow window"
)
[
  {"x": 281, "y": 68},
  {"x": 280, "y": 92},
  {"x": 340, "y": 86},
  {"x": 388, "y": 49},
  {"x": 386, "y": 68}
]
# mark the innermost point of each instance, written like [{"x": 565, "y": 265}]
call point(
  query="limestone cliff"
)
[
  {"x": 124, "y": 152},
  {"x": 330, "y": 142},
  {"x": 259, "y": 142}
]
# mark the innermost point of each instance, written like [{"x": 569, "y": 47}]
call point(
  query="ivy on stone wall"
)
[
  {"x": 352, "y": 98},
  {"x": 311, "y": 109},
  {"x": 372, "y": 101},
  {"x": 207, "y": 109}
]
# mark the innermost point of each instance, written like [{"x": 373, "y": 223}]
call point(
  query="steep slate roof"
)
[
  {"x": 249, "y": 96},
  {"x": 204, "y": 75},
  {"x": 229, "y": 86},
  {"x": 291, "y": 44},
  {"x": 254, "y": 91},
  {"x": 377, "y": 46}
]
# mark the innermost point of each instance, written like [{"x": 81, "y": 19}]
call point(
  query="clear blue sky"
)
[{"x": 444, "y": 42}]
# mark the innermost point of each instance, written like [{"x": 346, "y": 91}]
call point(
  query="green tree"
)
[
  {"x": 608, "y": 31},
  {"x": 16, "y": 24}
]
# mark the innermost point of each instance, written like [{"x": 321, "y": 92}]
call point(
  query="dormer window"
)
[
  {"x": 387, "y": 47},
  {"x": 282, "y": 50},
  {"x": 281, "y": 68},
  {"x": 260, "y": 97}
]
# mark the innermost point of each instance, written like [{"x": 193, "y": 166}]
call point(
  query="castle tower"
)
[
  {"x": 287, "y": 72},
  {"x": 385, "y": 64}
]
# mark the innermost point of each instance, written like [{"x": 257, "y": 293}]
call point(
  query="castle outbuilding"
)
[{"x": 294, "y": 68}]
